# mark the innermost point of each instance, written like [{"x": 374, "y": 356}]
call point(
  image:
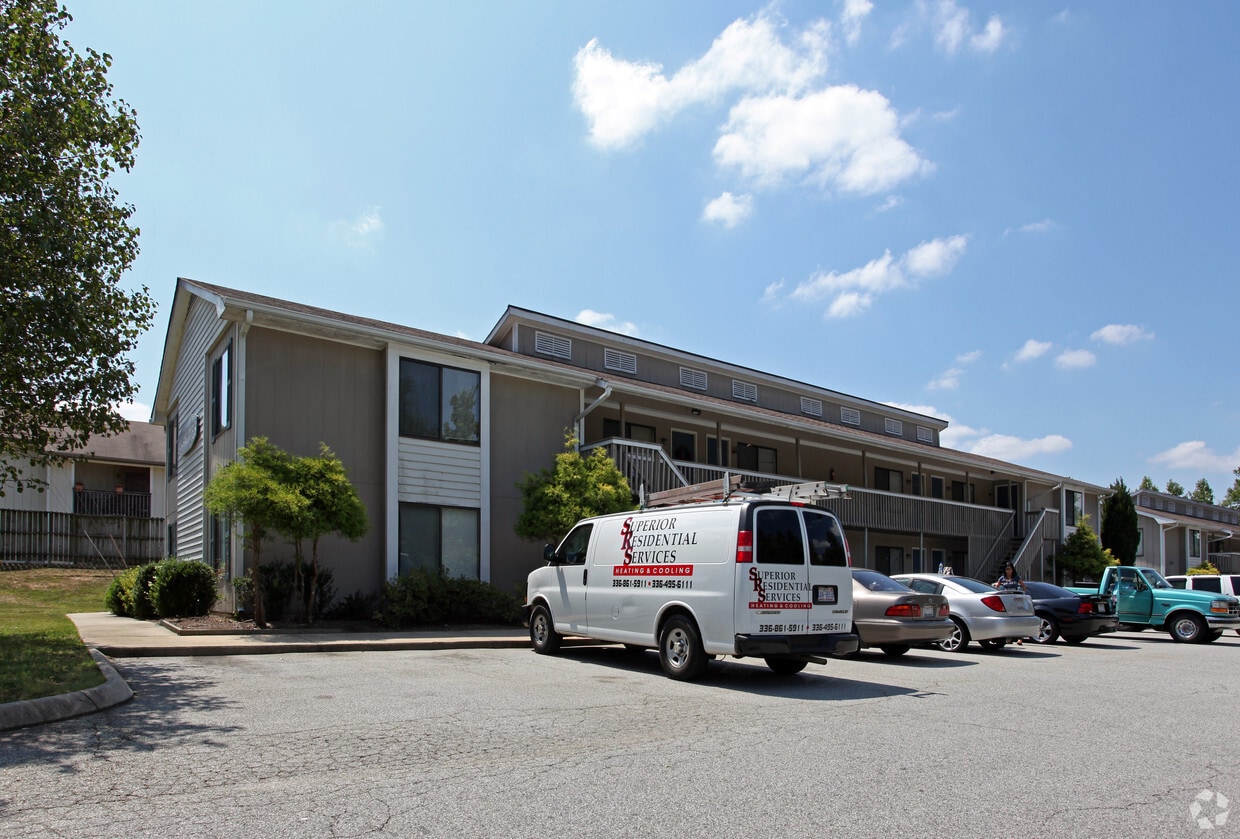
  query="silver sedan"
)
[
  {"x": 893, "y": 617},
  {"x": 979, "y": 612}
]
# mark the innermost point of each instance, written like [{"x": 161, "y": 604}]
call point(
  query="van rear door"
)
[{"x": 798, "y": 581}]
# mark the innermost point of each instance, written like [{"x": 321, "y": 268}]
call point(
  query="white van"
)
[{"x": 747, "y": 575}]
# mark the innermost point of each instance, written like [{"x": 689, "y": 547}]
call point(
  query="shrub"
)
[
  {"x": 355, "y": 607},
  {"x": 120, "y": 593},
  {"x": 428, "y": 598},
  {"x": 183, "y": 588},
  {"x": 279, "y": 589},
  {"x": 138, "y": 602},
  {"x": 244, "y": 588},
  {"x": 1206, "y": 567}
]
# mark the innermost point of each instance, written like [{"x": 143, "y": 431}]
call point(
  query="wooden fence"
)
[{"x": 36, "y": 539}]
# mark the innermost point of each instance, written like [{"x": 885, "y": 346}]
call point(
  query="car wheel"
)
[
  {"x": 958, "y": 640},
  {"x": 680, "y": 649},
  {"x": 785, "y": 665},
  {"x": 543, "y": 637},
  {"x": 1048, "y": 631},
  {"x": 1211, "y": 637},
  {"x": 993, "y": 643},
  {"x": 894, "y": 650},
  {"x": 1075, "y": 639},
  {"x": 1187, "y": 628}
]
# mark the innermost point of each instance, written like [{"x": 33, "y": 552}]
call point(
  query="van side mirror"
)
[{"x": 549, "y": 554}]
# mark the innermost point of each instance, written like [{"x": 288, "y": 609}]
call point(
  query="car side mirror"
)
[{"x": 549, "y": 554}]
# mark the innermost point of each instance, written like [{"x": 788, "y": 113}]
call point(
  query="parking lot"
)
[{"x": 1128, "y": 735}]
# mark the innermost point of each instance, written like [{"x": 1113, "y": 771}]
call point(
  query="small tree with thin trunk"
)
[
  {"x": 1121, "y": 533},
  {"x": 255, "y": 490},
  {"x": 575, "y": 488},
  {"x": 1083, "y": 556}
]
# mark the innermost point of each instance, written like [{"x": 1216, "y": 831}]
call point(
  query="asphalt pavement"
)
[{"x": 108, "y": 636}]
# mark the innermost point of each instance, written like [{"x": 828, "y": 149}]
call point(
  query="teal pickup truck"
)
[{"x": 1144, "y": 598}]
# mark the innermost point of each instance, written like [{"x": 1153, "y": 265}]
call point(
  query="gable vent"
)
[
  {"x": 624, "y": 362},
  {"x": 745, "y": 391},
  {"x": 813, "y": 407},
  {"x": 925, "y": 435},
  {"x": 893, "y": 426},
  {"x": 695, "y": 379},
  {"x": 850, "y": 416},
  {"x": 556, "y": 345}
]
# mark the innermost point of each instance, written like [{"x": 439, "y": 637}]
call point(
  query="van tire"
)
[
  {"x": 543, "y": 637},
  {"x": 785, "y": 665},
  {"x": 680, "y": 649}
]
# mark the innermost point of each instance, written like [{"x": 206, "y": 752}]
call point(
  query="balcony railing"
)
[
  {"x": 985, "y": 528},
  {"x": 34, "y": 538},
  {"x": 89, "y": 502}
]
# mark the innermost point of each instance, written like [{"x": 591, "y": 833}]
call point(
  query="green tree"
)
[
  {"x": 1232, "y": 498},
  {"x": 575, "y": 488},
  {"x": 332, "y": 506},
  {"x": 1083, "y": 555},
  {"x": 1174, "y": 488},
  {"x": 1147, "y": 483},
  {"x": 1202, "y": 493},
  {"x": 256, "y": 490},
  {"x": 65, "y": 242},
  {"x": 1121, "y": 533}
]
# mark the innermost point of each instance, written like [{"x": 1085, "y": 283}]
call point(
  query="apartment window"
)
[
  {"x": 624, "y": 362},
  {"x": 440, "y": 540},
  {"x": 221, "y": 544},
  {"x": 695, "y": 379},
  {"x": 850, "y": 416},
  {"x": 756, "y": 458},
  {"x": 744, "y": 390},
  {"x": 556, "y": 345},
  {"x": 812, "y": 407},
  {"x": 440, "y": 403},
  {"x": 1074, "y": 504},
  {"x": 936, "y": 487},
  {"x": 888, "y": 480},
  {"x": 171, "y": 455},
  {"x": 221, "y": 391},
  {"x": 717, "y": 451},
  {"x": 632, "y": 431},
  {"x": 893, "y": 426},
  {"x": 1194, "y": 544},
  {"x": 924, "y": 435}
]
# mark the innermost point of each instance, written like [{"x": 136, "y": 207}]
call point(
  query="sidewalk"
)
[{"x": 108, "y": 636}]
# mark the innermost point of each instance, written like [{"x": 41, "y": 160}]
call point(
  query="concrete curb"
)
[
  {"x": 26, "y": 712},
  {"x": 284, "y": 647}
]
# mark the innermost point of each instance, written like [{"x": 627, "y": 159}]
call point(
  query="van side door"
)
[{"x": 568, "y": 601}]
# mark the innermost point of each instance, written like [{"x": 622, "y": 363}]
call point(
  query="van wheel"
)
[
  {"x": 785, "y": 665},
  {"x": 680, "y": 649},
  {"x": 543, "y": 637},
  {"x": 1187, "y": 628}
]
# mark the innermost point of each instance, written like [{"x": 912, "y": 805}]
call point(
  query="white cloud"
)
[
  {"x": 840, "y": 136},
  {"x": 948, "y": 380},
  {"x": 1195, "y": 455},
  {"x": 1075, "y": 359},
  {"x": 362, "y": 231},
  {"x": 1016, "y": 449},
  {"x": 890, "y": 203},
  {"x": 728, "y": 209},
  {"x": 623, "y": 100},
  {"x": 969, "y": 357},
  {"x": 953, "y": 28},
  {"x": 1121, "y": 334},
  {"x": 605, "y": 320},
  {"x": 772, "y": 292},
  {"x": 854, "y": 290},
  {"x": 927, "y": 410},
  {"x": 1032, "y": 349},
  {"x": 854, "y": 12},
  {"x": 1033, "y": 227}
]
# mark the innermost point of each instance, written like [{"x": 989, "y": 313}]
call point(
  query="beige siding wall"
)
[
  {"x": 518, "y": 447},
  {"x": 300, "y": 392}
]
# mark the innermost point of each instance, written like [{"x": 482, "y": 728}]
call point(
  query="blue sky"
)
[{"x": 1018, "y": 217}]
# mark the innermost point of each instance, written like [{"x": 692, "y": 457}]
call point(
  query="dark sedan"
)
[{"x": 1073, "y": 617}]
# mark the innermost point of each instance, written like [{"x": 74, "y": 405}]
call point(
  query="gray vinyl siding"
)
[{"x": 188, "y": 403}]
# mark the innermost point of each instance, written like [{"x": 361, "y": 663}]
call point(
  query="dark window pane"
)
[
  {"x": 461, "y": 415},
  {"x": 826, "y": 542},
  {"x": 419, "y": 538},
  {"x": 777, "y": 537},
  {"x": 419, "y": 399}
]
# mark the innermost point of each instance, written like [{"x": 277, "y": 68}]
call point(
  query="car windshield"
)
[
  {"x": 971, "y": 584},
  {"x": 875, "y": 581}
]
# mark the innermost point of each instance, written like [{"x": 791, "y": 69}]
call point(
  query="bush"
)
[
  {"x": 244, "y": 589},
  {"x": 1206, "y": 567},
  {"x": 423, "y": 598},
  {"x": 355, "y": 607},
  {"x": 279, "y": 589},
  {"x": 139, "y": 602},
  {"x": 183, "y": 588},
  {"x": 120, "y": 593}
]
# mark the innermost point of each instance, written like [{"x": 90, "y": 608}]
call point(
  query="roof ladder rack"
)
[{"x": 734, "y": 485}]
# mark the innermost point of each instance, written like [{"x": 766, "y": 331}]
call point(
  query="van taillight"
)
[{"x": 744, "y": 546}]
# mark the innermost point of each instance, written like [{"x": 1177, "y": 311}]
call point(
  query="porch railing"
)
[
  {"x": 1042, "y": 533},
  {"x": 986, "y": 529},
  {"x": 91, "y": 502}
]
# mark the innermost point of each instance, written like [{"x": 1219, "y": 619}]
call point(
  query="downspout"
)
[{"x": 579, "y": 420}]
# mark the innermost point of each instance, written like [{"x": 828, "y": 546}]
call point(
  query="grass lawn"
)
[{"x": 40, "y": 651}]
